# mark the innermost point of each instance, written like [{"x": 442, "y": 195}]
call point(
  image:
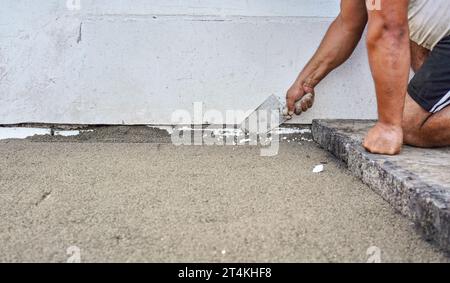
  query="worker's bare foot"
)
[{"x": 384, "y": 139}]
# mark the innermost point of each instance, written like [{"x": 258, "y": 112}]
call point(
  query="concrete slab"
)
[
  {"x": 416, "y": 183},
  {"x": 134, "y": 197}
]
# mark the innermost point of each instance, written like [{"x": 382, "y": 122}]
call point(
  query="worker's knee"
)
[{"x": 412, "y": 138}]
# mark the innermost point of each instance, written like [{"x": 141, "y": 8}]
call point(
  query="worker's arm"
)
[
  {"x": 389, "y": 56},
  {"x": 338, "y": 44}
]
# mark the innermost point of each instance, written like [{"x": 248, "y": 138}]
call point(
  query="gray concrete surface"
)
[
  {"x": 416, "y": 182},
  {"x": 155, "y": 202}
]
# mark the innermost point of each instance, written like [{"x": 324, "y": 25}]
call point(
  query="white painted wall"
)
[{"x": 136, "y": 62}]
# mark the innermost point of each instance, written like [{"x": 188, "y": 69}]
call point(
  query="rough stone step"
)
[{"x": 416, "y": 183}]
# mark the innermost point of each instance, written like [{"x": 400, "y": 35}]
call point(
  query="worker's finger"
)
[
  {"x": 289, "y": 104},
  {"x": 294, "y": 94},
  {"x": 298, "y": 108},
  {"x": 286, "y": 114},
  {"x": 310, "y": 102},
  {"x": 308, "y": 97},
  {"x": 304, "y": 103}
]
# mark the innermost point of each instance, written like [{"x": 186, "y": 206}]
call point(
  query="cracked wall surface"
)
[{"x": 136, "y": 62}]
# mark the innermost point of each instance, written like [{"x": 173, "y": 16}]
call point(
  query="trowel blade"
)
[{"x": 265, "y": 118}]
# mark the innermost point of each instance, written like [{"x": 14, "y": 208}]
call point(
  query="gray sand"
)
[
  {"x": 111, "y": 134},
  {"x": 136, "y": 202}
]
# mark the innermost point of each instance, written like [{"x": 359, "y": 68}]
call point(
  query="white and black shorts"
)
[{"x": 430, "y": 87}]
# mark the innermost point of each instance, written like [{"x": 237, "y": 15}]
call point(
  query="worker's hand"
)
[
  {"x": 384, "y": 139},
  {"x": 299, "y": 98}
]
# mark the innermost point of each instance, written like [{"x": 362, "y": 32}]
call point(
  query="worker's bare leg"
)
[
  {"x": 424, "y": 129},
  {"x": 421, "y": 128}
]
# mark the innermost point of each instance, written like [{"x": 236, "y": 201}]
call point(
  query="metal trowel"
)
[{"x": 268, "y": 116}]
